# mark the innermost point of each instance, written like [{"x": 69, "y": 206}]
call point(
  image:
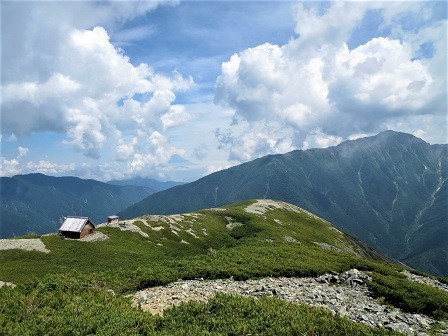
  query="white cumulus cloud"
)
[
  {"x": 61, "y": 73},
  {"x": 315, "y": 91},
  {"x": 95, "y": 95},
  {"x": 50, "y": 168}
]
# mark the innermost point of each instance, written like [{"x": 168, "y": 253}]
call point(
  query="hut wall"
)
[
  {"x": 70, "y": 234},
  {"x": 88, "y": 229}
]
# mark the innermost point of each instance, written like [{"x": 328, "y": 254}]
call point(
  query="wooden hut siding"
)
[
  {"x": 88, "y": 229},
  {"x": 113, "y": 220},
  {"x": 70, "y": 234}
]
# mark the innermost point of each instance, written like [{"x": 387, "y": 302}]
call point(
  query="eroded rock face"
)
[{"x": 345, "y": 294}]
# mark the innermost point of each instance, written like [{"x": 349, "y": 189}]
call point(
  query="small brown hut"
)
[
  {"x": 76, "y": 227},
  {"x": 113, "y": 220}
]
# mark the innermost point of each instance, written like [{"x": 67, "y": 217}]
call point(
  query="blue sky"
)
[{"x": 177, "y": 90}]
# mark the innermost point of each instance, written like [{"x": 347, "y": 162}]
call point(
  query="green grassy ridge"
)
[
  {"x": 254, "y": 260},
  {"x": 61, "y": 305},
  {"x": 128, "y": 250},
  {"x": 128, "y": 261}
]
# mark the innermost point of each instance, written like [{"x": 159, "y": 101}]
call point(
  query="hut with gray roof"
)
[
  {"x": 75, "y": 227},
  {"x": 113, "y": 219}
]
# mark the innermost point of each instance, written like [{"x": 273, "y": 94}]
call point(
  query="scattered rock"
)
[
  {"x": 261, "y": 206},
  {"x": 343, "y": 293},
  {"x": 217, "y": 209},
  {"x": 425, "y": 280},
  {"x": 289, "y": 239},
  {"x": 191, "y": 232},
  {"x": 5, "y": 283},
  {"x": 129, "y": 226},
  {"x": 96, "y": 236},
  {"x": 232, "y": 223},
  {"x": 328, "y": 247}
]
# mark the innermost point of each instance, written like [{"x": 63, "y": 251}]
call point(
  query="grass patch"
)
[
  {"x": 410, "y": 296},
  {"x": 29, "y": 236},
  {"x": 234, "y": 315}
]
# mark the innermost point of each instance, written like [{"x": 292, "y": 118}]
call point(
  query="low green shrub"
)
[
  {"x": 61, "y": 305},
  {"x": 236, "y": 315},
  {"x": 410, "y": 296}
]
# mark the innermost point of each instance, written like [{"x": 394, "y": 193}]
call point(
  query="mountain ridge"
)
[
  {"x": 151, "y": 183},
  {"x": 379, "y": 189}
]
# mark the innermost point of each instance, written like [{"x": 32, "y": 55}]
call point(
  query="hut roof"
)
[
  {"x": 113, "y": 217},
  {"x": 74, "y": 224}
]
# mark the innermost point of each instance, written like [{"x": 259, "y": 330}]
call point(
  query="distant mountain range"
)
[
  {"x": 37, "y": 203},
  {"x": 150, "y": 183},
  {"x": 388, "y": 190}
]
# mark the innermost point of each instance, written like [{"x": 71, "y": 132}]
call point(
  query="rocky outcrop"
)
[
  {"x": 425, "y": 280},
  {"x": 344, "y": 293}
]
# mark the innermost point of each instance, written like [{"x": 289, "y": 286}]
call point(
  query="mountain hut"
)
[
  {"x": 76, "y": 227},
  {"x": 113, "y": 220}
]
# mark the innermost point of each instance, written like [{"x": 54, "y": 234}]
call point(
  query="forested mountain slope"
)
[
  {"x": 37, "y": 203},
  {"x": 147, "y": 183}
]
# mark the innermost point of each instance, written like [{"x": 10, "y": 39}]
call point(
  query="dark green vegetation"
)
[
  {"x": 64, "y": 306},
  {"x": 217, "y": 243},
  {"x": 68, "y": 291},
  {"x": 389, "y": 190},
  {"x": 37, "y": 203},
  {"x": 409, "y": 296},
  {"x": 147, "y": 183},
  {"x": 72, "y": 307}
]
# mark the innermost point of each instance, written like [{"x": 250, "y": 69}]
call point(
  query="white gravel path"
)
[{"x": 23, "y": 244}]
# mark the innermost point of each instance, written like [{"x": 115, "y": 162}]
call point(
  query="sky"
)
[{"x": 176, "y": 90}]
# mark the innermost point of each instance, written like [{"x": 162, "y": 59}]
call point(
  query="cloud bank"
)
[
  {"x": 316, "y": 91},
  {"x": 76, "y": 78},
  {"x": 65, "y": 76}
]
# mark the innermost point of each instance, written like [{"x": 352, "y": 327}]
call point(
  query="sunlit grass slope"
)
[
  {"x": 68, "y": 289},
  {"x": 282, "y": 231}
]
